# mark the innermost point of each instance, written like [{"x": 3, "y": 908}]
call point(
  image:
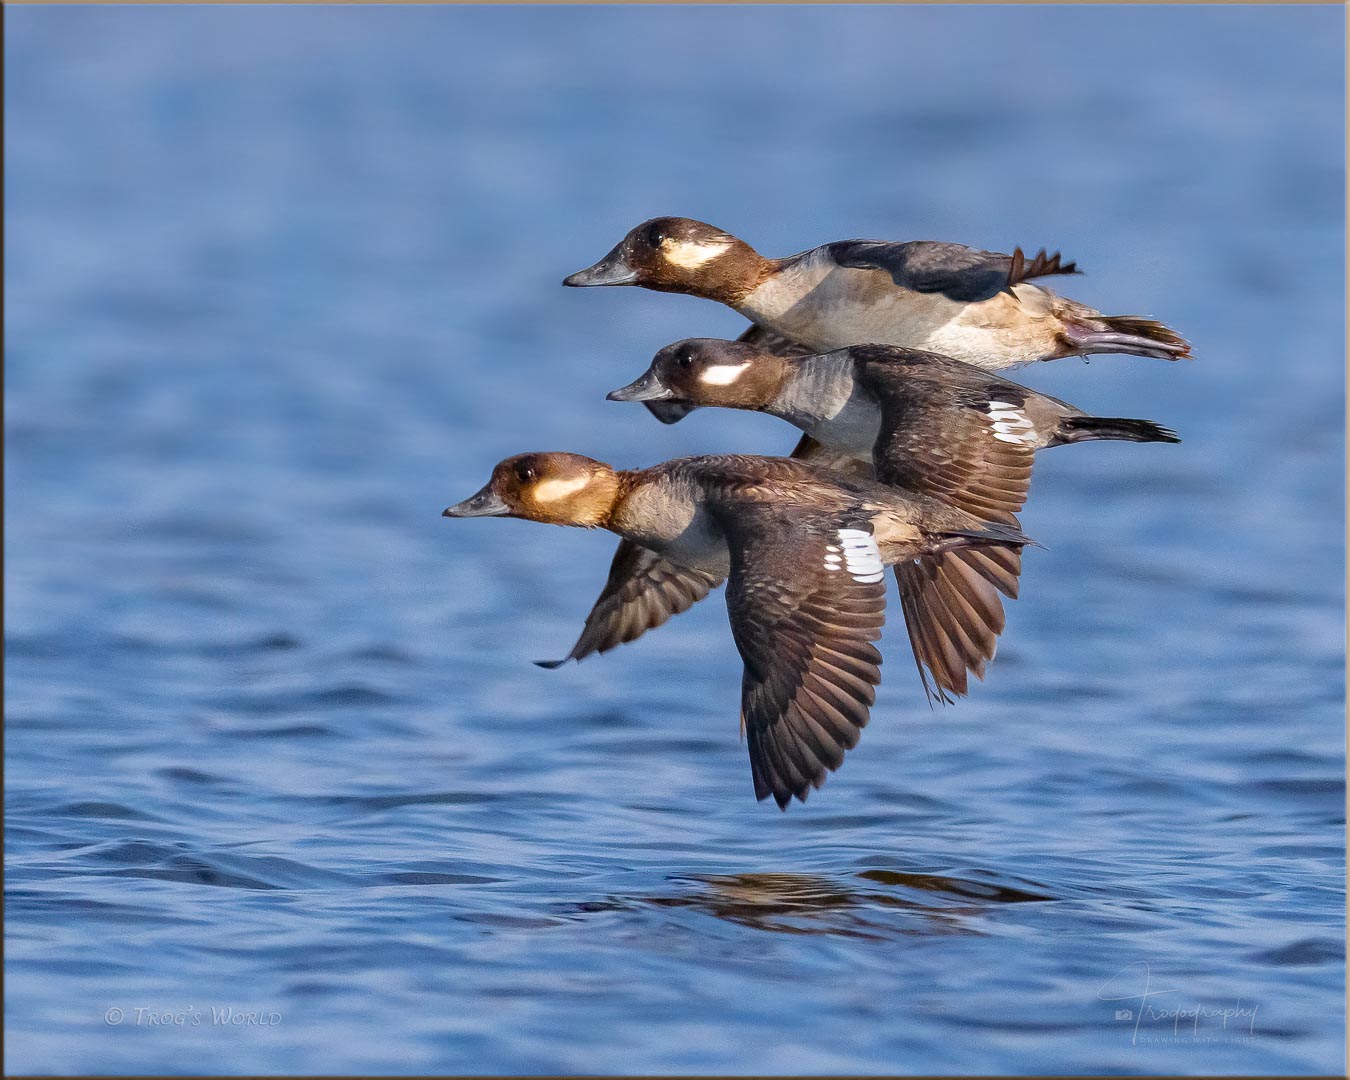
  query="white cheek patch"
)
[
  {"x": 553, "y": 490},
  {"x": 862, "y": 557},
  {"x": 690, "y": 256},
  {"x": 1010, "y": 425},
  {"x": 723, "y": 374}
]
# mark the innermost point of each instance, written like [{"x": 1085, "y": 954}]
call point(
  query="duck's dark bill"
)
[
  {"x": 646, "y": 388},
  {"x": 485, "y": 504},
  {"x": 613, "y": 269}
]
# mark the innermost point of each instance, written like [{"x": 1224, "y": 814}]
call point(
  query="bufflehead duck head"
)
[
  {"x": 552, "y": 487},
  {"x": 709, "y": 371},
  {"x": 676, "y": 254}
]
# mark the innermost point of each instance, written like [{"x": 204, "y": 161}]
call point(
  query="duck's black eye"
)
[
  {"x": 655, "y": 235},
  {"x": 685, "y": 358},
  {"x": 524, "y": 472}
]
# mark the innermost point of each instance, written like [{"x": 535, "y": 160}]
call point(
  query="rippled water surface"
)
[{"x": 282, "y": 283}]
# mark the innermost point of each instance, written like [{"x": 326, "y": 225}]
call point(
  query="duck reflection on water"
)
[{"x": 878, "y": 903}]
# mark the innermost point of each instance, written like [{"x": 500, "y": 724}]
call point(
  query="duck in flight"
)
[
  {"x": 803, "y": 550},
  {"x": 978, "y": 306}
]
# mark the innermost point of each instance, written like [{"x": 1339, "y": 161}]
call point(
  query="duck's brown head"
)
[
  {"x": 676, "y": 254},
  {"x": 552, "y": 487},
  {"x": 710, "y": 371}
]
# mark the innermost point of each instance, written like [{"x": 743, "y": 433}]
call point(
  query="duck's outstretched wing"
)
[
  {"x": 960, "y": 273},
  {"x": 806, "y": 601},
  {"x": 954, "y": 613},
  {"x": 643, "y": 591},
  {"x": 972, "y": 449}
]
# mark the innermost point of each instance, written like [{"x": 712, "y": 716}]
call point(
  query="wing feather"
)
[
  {"x": 773, "y": 342},
  {"x": 954, "y": 613},
  {"x": 805, "y": 632},
  {"x": 945, "y": 442},
  {"x": 643, "y": 591},
  {"x": 962, "y": 274}
]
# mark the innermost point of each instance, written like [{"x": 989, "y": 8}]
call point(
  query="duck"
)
[
  {"x": 847, "y": 398},
  {"x": 908, "y": 418},
  {"x": 803, "y": 551},
  {"x": 981, "y": 307}
]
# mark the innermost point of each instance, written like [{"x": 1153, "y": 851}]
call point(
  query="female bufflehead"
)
[
  {"x": 976, "y": 306},
  {"x": 804, "y": 551}
]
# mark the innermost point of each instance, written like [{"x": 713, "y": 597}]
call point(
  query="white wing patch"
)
[
  {"x": 862, "y": 557},
  {"x": 723, "y": 374},
  {"x": 690, "y": 255},
  {"x": 553, "y": 490},
  {"x": 1010, "y": 423}
]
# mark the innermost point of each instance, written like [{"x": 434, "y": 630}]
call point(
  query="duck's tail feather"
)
[
  {"x": 1086, "y": 428},
  {"x": 1130, "y": 334}
]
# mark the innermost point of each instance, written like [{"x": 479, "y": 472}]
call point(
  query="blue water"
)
[{"x": 281, "y": 283}]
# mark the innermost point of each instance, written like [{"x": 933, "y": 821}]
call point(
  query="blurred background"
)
[{"x": 281, "y": 283}]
